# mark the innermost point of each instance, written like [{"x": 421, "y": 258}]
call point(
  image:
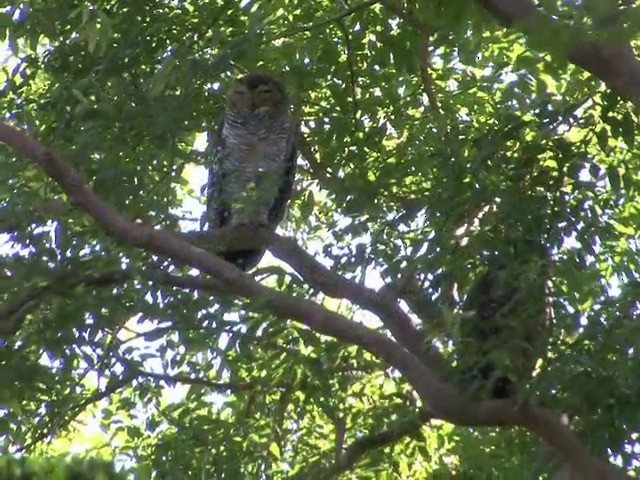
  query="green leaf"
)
[
  {"x": 275, "y": 450},
  {"x": 602, "y": 136},
  {"x": 613, "y": 175},
  {"x": 6, "y": 21}
]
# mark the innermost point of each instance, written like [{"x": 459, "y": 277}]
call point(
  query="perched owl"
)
[
  {"x": 253, "y": 162},
  {"x": 504, "y": 329}
]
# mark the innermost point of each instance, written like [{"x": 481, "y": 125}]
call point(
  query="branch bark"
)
[
  {"x": 616, "y": 65},
  {"x": 379, "y": 303}
]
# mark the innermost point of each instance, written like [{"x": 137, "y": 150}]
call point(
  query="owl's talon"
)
[{"x": 252, "y": 225}]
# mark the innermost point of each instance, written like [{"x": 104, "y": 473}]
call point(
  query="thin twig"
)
[
  {"x": 353, "y": 79},
  {"x": 231, "y": 387},
  {"x": 76, "y": 409},
  {"x": 314, "y": 26},
  {"x": 364, "y": 446},
  {"x": 424, "y": 63},
  {"x": 12, "y": 314}
]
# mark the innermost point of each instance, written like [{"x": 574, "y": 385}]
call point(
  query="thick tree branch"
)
[
  {"x": 332, "y": 284},
  {"x": 573, "y": 452},
  {"x": 440, "y": 398},
  {"x": 383, "y": 305},
  {"x": 616, "y": 65}
]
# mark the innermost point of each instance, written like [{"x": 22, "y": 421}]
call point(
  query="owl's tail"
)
[
  {"x": 489, "y": 381},
  {"x": 245, "y": 260}
]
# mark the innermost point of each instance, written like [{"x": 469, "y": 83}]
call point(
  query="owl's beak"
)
[{"x": 260, "y": 110}]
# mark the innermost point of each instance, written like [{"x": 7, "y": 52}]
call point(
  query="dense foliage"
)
[
  {"x": 57, "y": 469},
  {"x": 431, "y": 135}
]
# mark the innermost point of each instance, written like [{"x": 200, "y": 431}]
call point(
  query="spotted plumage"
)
[
  {"x": 504, "y": 330},
  {"x": 253, "y": 162}
]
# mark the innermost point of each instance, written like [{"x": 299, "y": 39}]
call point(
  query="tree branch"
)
[
  {"x": 203, "y": 382},
  {"x": 321, "y": 23},
  {"x": 441, "y": 399},
  {"x": 382, "y": 305},
  {"x": 320, "y": 277},
  {"x": 564, "y": 441},
  {"x": 616, "y": 65},
  {"x": 13, "y": 313},
  {"x": 410, "y": 18},
  {"x": 319, "y": 170},
  {"x": 364, "y": 445},
  {"x": 75, "y": 410}
]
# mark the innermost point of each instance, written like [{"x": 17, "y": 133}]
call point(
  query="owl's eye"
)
[
  {"x": 239, "y": 91},
  {"x": 265, "y": 89}
]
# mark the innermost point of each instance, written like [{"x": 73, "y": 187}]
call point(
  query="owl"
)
[
  {"x": 504, "y": 329},
  {"x": 253, "y": 160}
]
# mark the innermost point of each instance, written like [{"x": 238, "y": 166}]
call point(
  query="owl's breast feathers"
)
[{"x": 252, "y": 146}]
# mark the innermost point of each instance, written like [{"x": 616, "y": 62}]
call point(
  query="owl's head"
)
[{"x": 258, "y": 94}]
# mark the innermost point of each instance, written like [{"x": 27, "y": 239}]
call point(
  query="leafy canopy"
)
[{"x": 410, "y": 163}]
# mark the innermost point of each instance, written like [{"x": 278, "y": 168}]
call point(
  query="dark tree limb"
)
[
  {"x": 443, "y": 400},
  {"x": 616, "y": 65},
  {"x": 56, "y": 424},
  {"x": 13, "y": 313},
  {"x": 334, "y": 285},
  {"x": 573, "y": 452},
  {"x": 366, "y": 444}
]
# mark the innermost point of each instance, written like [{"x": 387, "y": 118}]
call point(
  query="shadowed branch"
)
[{"x": 615, "y": 64}]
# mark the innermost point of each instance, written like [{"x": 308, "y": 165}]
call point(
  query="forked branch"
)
[{"x": 443, "y": 400}]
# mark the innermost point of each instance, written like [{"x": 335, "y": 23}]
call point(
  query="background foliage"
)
[{"x": 410, "y": 163}]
